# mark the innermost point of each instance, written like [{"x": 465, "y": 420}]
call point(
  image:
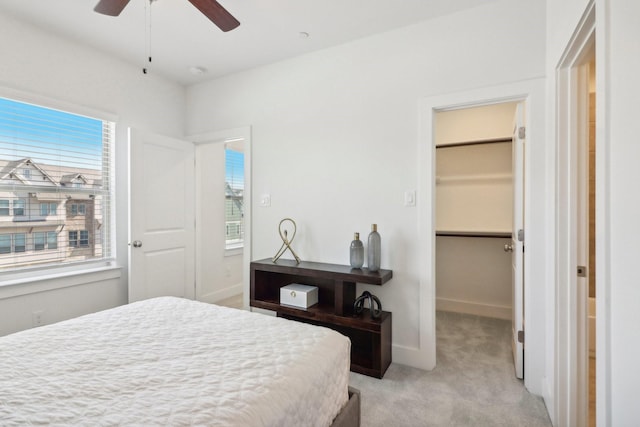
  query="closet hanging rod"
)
[
  {"x": 478, "y": 142},
  {"x": 490, "y": 234}
]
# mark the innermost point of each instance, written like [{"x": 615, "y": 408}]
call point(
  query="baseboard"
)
[
  {"x": 467, "y": 307},
  {"x": 213, "y": 297},
  {"x": 547, "y": 397},
  {"x": 413, "y": 357}
]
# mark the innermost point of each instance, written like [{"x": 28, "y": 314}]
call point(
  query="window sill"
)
[
  {"x": 17, "y": 284},
  {"x": 233, "y": 251}
]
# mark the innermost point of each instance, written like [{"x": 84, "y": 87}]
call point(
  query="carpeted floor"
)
[{"x": 473, "y": 383}]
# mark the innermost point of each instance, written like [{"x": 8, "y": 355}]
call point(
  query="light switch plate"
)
[{"x": 410, "y": 198}]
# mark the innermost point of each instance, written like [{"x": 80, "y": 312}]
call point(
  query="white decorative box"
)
[{"x": 297, "y": 295}]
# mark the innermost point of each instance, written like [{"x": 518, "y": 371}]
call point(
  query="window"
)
[
  {"x": 45, "y": 240},
  {"x": 38, "y": 241},
  {"x": 81, "y": 242},
  {"x": 41, "y": 149},
  {"x": 48, "y": 209},
  {"x": 73, "y": 239},
  {"x": 84, "y": 238},
  {"x": 12, "y": 243},
  {"x": 234, "y": 191},
  {"x": 52, "y": 240},
  {"x": 18, "y": 207},
  {"x": 78, "y": 209},
  {"x": 5, "y": 243},
  {"x": 19, "y": 242}
]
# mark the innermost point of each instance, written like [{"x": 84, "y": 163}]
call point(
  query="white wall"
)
[
  {"x": 46, "y": 67},
  {"x": 473, "y": 275},
  {"x": 474, "y": 188},
  {"x": 621, "y": 61},
  {"x": 335, "y": 133},
  {"x": 618, "y": 86},
  {"x": 617, "y": 201}
]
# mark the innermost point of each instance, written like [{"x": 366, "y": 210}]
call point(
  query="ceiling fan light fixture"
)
[{"x": 209, "y": 8}]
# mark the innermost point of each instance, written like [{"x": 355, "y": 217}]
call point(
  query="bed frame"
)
[{"x": 350, "y": 414}]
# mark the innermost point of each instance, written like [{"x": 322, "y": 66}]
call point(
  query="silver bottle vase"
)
[
  {"x": 356, "y": 252},
  {"x": 373, "y": 249}
]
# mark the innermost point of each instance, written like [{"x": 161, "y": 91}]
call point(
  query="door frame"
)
[
  {"x": 531, "y": 92},
  {"x": 222, "y": 136},
  {"x": 571, "y": 356}
]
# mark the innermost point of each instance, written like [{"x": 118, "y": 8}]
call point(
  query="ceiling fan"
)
[{"x": 210, "y": 8}]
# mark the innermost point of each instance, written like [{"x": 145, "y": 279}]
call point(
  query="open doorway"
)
[
  {"x": 223, "y": 216},
  {"x": 474, "y": 199},
  {"x": 591, "y": 232},
  {"x": 531, "y": 94}
]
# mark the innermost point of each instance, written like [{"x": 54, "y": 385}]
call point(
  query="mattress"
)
[{"x": 171, "y": 361}]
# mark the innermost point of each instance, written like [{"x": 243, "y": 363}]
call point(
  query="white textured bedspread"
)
[{"x": 171, "y": 361}]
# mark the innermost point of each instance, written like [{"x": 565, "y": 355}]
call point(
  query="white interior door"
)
[
  {"x": 517, "y": 241},
  {"x": 162, "y": 217}
]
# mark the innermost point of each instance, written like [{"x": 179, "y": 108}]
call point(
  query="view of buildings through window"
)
[
  {"x": 234, "y": 193},
  {"x": 54, "y": 186}
]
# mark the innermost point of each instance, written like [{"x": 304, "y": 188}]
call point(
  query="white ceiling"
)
[{"x": 181, "y": 37}]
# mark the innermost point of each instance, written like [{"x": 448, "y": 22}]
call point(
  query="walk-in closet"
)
[{"x": 474, "y": 210}]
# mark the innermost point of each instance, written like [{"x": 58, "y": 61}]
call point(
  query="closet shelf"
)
[{"x": 474, "y": 179}]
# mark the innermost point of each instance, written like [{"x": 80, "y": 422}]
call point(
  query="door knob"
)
[
  {"x": 508, "y": 248},
  {"x": 138, "y": 244}
]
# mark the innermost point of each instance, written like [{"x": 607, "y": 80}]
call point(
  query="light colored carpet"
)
[
  {"x": 473, "y": 383},
  {"x": 233, "y": 302}
]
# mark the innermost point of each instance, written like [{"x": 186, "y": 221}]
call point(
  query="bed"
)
[{"x": 172, "y": 361}]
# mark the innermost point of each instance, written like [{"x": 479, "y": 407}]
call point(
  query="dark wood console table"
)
[{"x": 370, "y": 338}]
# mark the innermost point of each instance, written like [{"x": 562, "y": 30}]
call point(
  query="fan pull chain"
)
[{"x": 147, "y": 28}]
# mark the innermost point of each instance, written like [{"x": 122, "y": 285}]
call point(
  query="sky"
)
[
  {"x": 49, "y": 136},
  {"x": 234, "y": 173}
]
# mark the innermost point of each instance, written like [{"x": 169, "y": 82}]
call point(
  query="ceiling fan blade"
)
[
  {"x": 110, "y": 7},
  {"x": 216, "y": 13}
]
